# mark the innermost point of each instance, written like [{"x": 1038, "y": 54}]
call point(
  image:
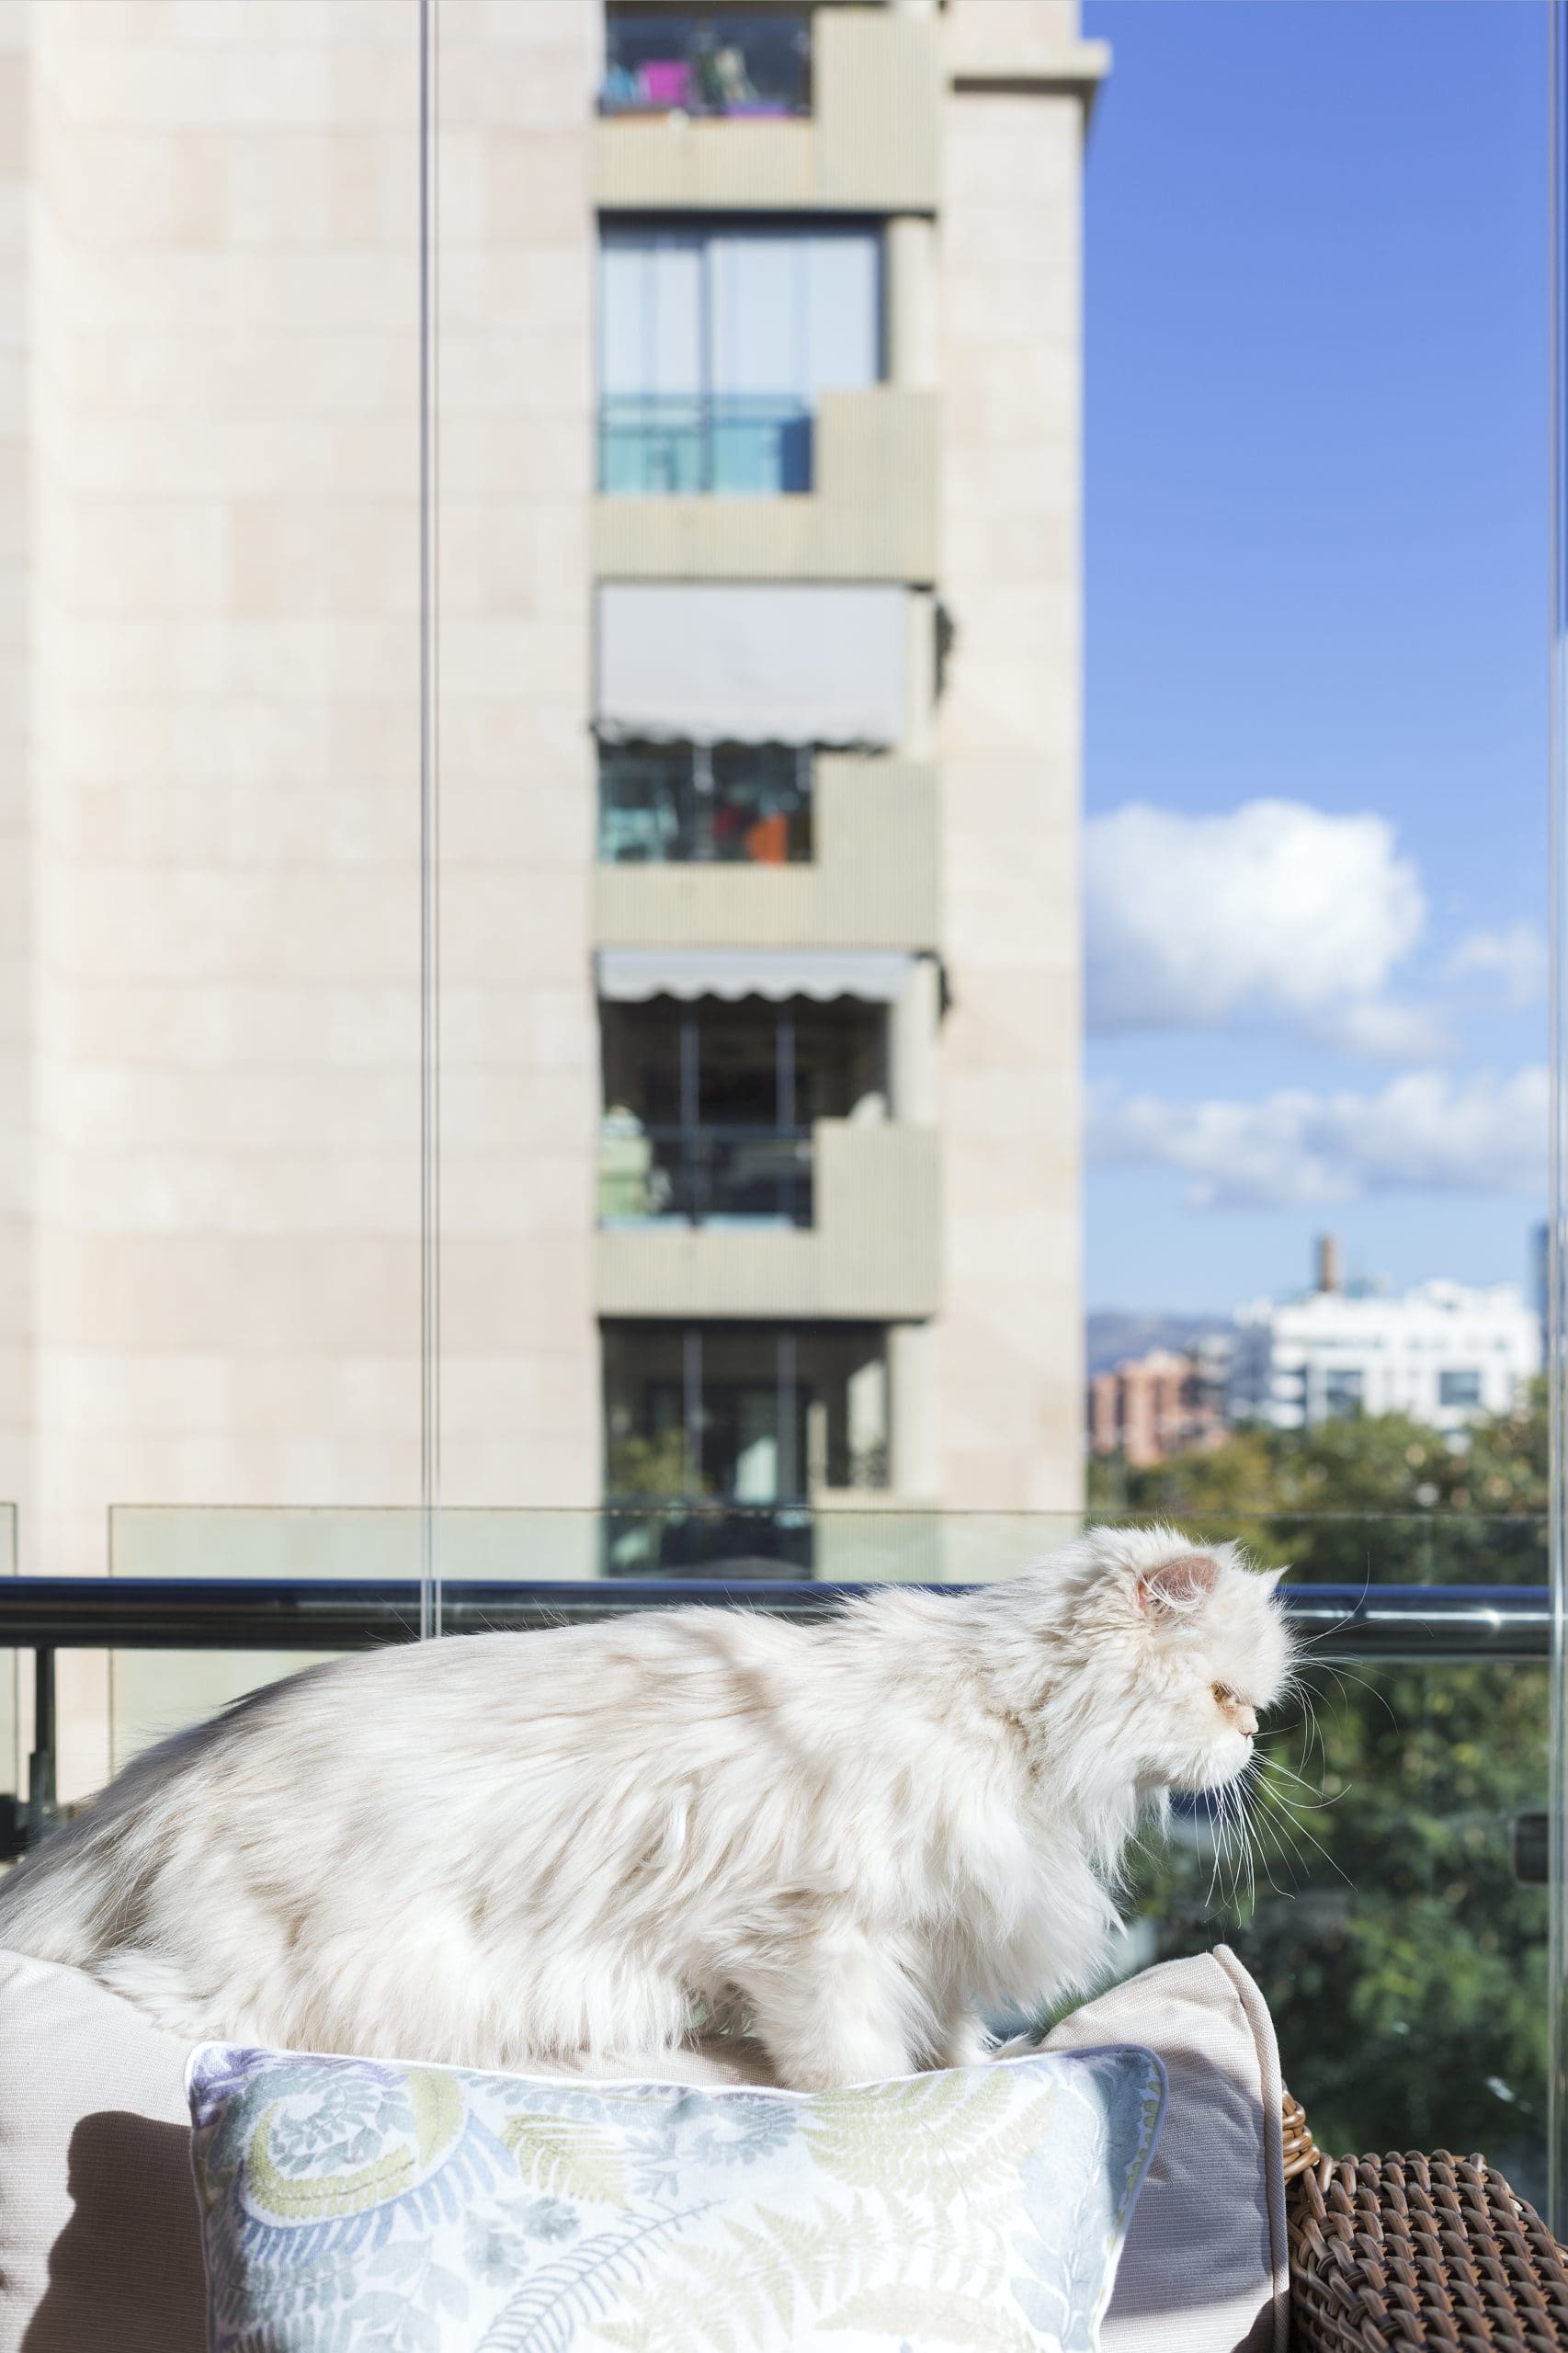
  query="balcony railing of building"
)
[
  {"x": 704, "y": 1176},
  {"x": 703, "y": 804},
  {"x": 734, "y": 445},
  {"x": 756, "y": 65}
]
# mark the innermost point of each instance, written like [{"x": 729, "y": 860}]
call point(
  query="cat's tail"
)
[{"x": 55, "y": 1905}]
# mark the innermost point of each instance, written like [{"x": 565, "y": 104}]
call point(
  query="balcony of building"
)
[
  {"x": 741, "y": 66},
  {"x": 786, "y": 108},
  {"x": 774, "y": 843},
  {"x": 846, "y": 490},
  {"x": 746, "y": 425},
  {"x": 721, "y": 1438},
  {"x": 752, "y": 1160}
]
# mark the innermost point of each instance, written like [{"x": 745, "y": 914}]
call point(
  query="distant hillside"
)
[{"x": 1110, "y": 1334}]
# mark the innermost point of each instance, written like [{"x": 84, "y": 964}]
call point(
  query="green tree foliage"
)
[
  {"x": 1405, "y": 1964},
  {"x": 657, "y": 1466},
  {"x": 1385, "y": 1498}
]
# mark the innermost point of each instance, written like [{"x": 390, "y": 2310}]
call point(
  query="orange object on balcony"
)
[{"x": 767, "y": 842}]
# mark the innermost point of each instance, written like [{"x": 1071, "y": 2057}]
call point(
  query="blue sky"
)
[{"x": 1316, "y": 578}]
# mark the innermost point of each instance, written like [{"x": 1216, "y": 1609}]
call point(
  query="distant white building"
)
[{"x": 1443, "y": 1353}]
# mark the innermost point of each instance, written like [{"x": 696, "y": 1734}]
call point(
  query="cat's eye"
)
[{"x": 1224, "y": 1693}]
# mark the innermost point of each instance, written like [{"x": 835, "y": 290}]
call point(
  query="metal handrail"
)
[
  {"x": 1431, "y": 1624},
  {"x": 1419, "y": 1623}
]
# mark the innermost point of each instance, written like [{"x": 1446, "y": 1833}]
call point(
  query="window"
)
[
  {"x": 1458, "y": 1388},
  {"x": 670, "y": 61},
  {"x": 748, "y": 805},
  {"x": 1344, "y": 1391},
  {"x": 709, "y": 1107},
  {"x": 714, "y": 345},
  {"x": 759, "y": 1417}
]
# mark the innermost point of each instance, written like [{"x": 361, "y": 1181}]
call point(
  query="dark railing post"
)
[
  {"x": 25, "y": 1820},
  {"x": 41, "y": 1784}
]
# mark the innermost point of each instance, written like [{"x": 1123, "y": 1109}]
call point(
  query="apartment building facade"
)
[
  {"x": 1442, "y": 1352},
  {"x": 1166, "y": 1401},
  {"x": 759, "y": 353}
]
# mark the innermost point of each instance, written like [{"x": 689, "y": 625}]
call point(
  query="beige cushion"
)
[
  {"x": 1204, "y": 2270},
  {"x": 100, "y": 2242},
  {"x": 99, "y": 2246}
]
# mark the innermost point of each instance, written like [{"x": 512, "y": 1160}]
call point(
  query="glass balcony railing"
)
[
  {"x": 704, "y": 1176},
  {"x": 1389, "y": 1896},
  {"x": 741, "y": 804},
  {"x": 755, "y": 64},
  {"x": 734, "y": 445}
]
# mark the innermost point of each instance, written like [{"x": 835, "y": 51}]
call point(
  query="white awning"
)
[
  {"x": 752, "y": 663},
  {"x": 628, "y": 975}
]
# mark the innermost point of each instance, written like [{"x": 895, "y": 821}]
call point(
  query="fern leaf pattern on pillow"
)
[{"x": 435, "y": 2210}]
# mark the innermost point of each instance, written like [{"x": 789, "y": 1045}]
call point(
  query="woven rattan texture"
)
[{"x": 1393, "y": 2252}]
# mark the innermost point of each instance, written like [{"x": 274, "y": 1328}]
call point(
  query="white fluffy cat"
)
[{"x": 859, "y": 1834}]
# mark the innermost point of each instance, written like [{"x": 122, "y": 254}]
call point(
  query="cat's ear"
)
[
  {"x": 1177, "y": 1584},
  {"x": 1272, "y": 1577}
]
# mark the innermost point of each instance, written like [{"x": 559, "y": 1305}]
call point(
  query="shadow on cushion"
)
[{"x": 126, "y": 2271}]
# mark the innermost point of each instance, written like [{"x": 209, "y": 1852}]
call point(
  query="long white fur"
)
[{"x": 859, "y": 1835}]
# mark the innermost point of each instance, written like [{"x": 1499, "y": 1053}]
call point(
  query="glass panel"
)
[
  {"x": 1552, "y": 1242},
  {"x": 753, "y": 63},
  {"x": 849, "y": 1342},
  {"x": 743, "y": 445},
  {"x": 651, "y": 311},
  {"x": 156, "y": 1692},
  {"x": 743, "y": 804},
  {"x": 767, "y": 1418},
  {"x": 1390, "y": 1902},
  {"x": 758, "y": 290},
  {"x": 714, "y": 345},
  {"x": 209, "y": 975},
  {"x": 761, "y": 801}
]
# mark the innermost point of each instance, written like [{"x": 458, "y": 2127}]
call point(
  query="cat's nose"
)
[{"x": 1246, "y": 1721}]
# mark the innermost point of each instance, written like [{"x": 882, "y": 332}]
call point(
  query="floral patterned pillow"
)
[{"x": 349, "y": 2205}]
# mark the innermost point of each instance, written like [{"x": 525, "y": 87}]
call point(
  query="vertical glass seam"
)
[
  {"x": 1558, "y": 1173},
  {"x": 429, "y": 851}
]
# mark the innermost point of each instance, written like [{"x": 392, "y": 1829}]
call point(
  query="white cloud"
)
[
  {"x": 1272, "y": 911},
  {"x": 1386, "y": 1031},
  {"x": 1516, "y": 956},
  {"x": 1425, "y": 1131}
]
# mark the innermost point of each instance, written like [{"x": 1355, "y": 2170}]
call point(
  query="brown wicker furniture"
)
[{"x": 1394, "y": 2252}]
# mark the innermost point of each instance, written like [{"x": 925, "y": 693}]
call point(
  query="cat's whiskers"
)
[
  {"x": 1285, "y": 1811},
  {"x": 1325, "y": 1633},
  {"x": 1344, "y": 1675},
  {"x": 1268, "y": 1763},
  {"x": 1270, "y": 1832}
]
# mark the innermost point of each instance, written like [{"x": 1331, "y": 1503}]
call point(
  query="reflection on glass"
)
[
  {"x": 678, "y": 61},
  {"x": 677, "y": 803}
]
